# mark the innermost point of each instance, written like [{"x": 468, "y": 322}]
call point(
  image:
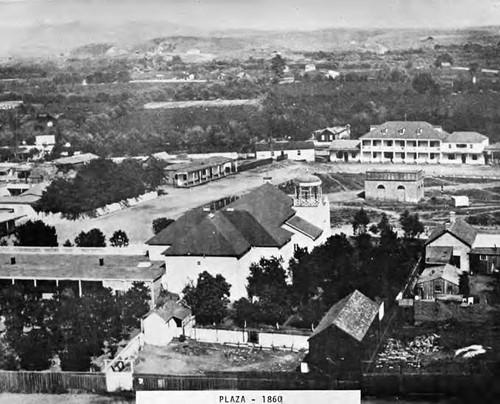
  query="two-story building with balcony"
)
[
  {"x": 403, "y": 142},
  {"x": 464, "y": 148},
  {"x": 263, "y": 223}
]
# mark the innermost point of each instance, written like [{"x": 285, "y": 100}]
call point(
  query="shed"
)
[
  {"x": 460, "y": 201},
  {"x": 163, "y": 324},
  {"x": 437, "y": 281}
]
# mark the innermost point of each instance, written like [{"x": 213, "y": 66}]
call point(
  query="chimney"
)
[
  {"x": 12, "y": 260},
  {"x": 101, "y": 262},
  {"x": 453, "y": 216}
]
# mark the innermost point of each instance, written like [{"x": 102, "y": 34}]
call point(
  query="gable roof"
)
[
  {"x": 447, "y": 272},
  {"x": 171, "y": 310},
  {"x": 254, "y": 220},
  {"x": 459, "y": 228},
  {"x": 354, "y": 314},
  {"x": 75, "y": 159},
  {"x": 465, "y": 137},
  {"x": 412, "y": 130},
  {"x": 284, "y": 145}
]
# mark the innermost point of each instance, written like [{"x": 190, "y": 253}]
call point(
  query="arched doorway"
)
[
  {"x": 381, "y": 192},
  {"x": 401, "y": 193}
]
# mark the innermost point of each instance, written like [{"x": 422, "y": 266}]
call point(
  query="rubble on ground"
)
[{"x": 398, "y": 353}]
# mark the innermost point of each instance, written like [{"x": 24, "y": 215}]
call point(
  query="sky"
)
[{"x": 256, "y": 14}]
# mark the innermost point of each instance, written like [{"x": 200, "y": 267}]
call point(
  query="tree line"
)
[
  {"x": 74, "y": 329},
  {"x": 99, "y": 183}
]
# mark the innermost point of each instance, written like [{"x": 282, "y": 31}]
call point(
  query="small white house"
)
[
  {"x": 161, "y": 325},
  {"x": 298, "y": 150}
]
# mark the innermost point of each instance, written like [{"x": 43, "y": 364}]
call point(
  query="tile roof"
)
[
  {"x": 465, "y": 137},
  {"x": 460, "y": 229},
  {"x": 344, "y": 144},
  {"x": 438, "y": 254},
  {"x": 391, "y": 130},
  {"x": 279, "y": 146},
  {"x": 254, "y": 220},
  {"x": 78, "y": 266},
  {"x": 354, "y": 314},
  {"x": 304, "y": 227},
  {"x": 447, "y": 272},
  {"x": 198, "y": 164}
]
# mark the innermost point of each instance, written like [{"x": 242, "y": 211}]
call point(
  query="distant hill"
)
[{"x": 77, "y": 39}]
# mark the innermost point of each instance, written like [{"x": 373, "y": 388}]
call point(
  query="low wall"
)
[
  {"x": 265, "y": 339},
  {"x": 120, "y": 370}
]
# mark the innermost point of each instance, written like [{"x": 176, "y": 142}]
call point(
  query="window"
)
[
  {"x": 438, "y": 288},
  {"x": 474, "y": 157},
  {"x": 298, "y": 152},
  {"x": 272, "y": 152},
  {"x": 483, "y": 257},
  {"x": 449, "y": 146},
  {"x": 451, "y": 157},
  {"x": 471, "y": 146}
]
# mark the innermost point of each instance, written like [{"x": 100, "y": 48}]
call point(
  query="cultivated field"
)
[{"x": 203, "y": 104}]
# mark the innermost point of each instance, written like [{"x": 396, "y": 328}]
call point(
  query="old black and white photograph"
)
[{"x": 263, "y": 202}]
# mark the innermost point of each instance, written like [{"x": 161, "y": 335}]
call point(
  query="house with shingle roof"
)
[
  {"x": 421, "y": 142},
  {"x": 345, "y": 334},
  {"x": 464, "y": 148},
  {"x": 438, "y": 281},
  {"x": 266, "y": 222},
  {"x": 471, "y": 250}
]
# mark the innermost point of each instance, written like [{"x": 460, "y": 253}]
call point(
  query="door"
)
[
  {"x": 401, "y": 193},
  {"x": 464, "y": 158},
  {"x": 381, "y": 192}
]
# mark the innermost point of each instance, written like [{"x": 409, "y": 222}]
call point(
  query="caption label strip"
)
[{"x": 250, "y": 397}]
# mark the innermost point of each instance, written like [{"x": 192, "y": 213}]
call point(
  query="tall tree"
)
[
  {"x": 36, "y": 234},
  {"x": 360, "y": 221},
  {"x": 278, "y": 65},
  {"x": 92, "y": 238},
  {"x": 266, "y": 277},
  {"x": 209, "y": 298},
  {"x": 463, "y": 284},
  {"x": 411, "y": 224}
]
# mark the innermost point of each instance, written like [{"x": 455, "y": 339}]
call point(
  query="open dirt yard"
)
[
  {"x": 192, "y": 357},
  {"x": 343, "y": 184}
]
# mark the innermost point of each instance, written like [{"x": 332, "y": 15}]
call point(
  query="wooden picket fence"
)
[{"x": 52, "y": 382}]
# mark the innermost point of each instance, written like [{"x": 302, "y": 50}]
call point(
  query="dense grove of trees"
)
[
  {"x": 99, "y": 183},
  {"x": 377, "y": 267},
  {"x": 161, "y": 223},
  {"x": 76, "y": 329}
]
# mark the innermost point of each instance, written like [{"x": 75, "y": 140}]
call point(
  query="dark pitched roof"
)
[
  {"x": 171, "y": 310},
  {"x": 271, "y": 207},
  {"x": 354, "y": 315},
  {"x": 254, "y": 220},
  {"x": 438, "y": 254},
  {"x": 183, "y": 225},
  {"x": 304, "y": 227},
  {"x": 460, "y": 229},
  {"x": 412, "y": 130},
  {"x": 279, "y": 146}
]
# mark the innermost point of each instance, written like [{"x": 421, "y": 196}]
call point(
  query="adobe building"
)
[
  {"x": 266, "y": 222},
  {"x": 395, "y": 186}
]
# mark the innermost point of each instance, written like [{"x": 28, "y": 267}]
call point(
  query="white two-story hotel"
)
[{"x": 421, "y": 142}]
